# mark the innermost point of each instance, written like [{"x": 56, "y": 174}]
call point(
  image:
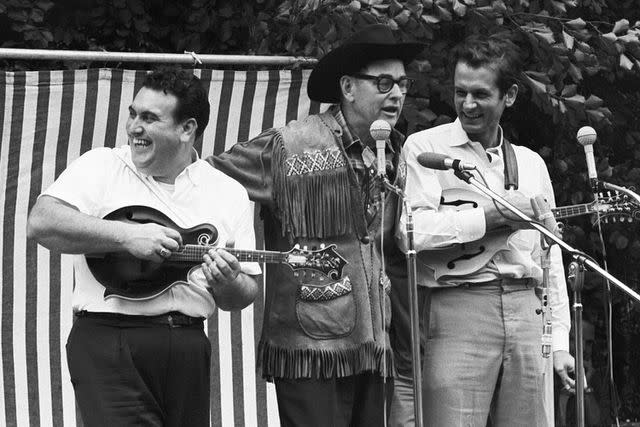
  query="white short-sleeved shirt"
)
[{"x": 105, "y": 179}]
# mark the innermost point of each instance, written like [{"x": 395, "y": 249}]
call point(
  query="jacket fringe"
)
[
  {"x": 278, "y": 362},
  {"x": 312, "y": 205}
]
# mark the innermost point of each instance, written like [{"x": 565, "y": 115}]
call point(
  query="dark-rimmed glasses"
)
[{"x": 385, "y": 82}]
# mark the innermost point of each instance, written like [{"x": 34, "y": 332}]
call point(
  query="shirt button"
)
[{"x": 365, "y": 240}]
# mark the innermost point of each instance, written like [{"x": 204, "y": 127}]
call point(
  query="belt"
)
[
  {"x": 173, "y": 319},
  {"x": 502, "y": 283}
]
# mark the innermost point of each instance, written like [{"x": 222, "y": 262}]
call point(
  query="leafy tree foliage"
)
[{"x": 582, "y": 67}]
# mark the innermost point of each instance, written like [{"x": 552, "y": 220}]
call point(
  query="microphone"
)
[
  {"x": 586, "y": 137},
  {"x": 380, "y": 131},
  {"x": 542, "y": 212},
  {"x": 442, "y": 162}
]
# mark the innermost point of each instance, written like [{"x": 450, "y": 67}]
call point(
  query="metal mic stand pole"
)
[
  {"x": 412, "y": 283},
  {"x": 593, "y": 266},
  {"x": 575, "y": 278}
]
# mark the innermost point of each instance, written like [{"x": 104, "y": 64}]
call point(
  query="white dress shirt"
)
[{"x": 435, "y": 227}]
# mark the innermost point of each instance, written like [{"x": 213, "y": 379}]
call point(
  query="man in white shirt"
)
[
  {"x": 483, "y": 356},
  {"x": 140, "y": 355}
]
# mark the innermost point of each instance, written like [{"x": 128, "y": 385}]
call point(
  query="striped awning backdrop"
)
[{"x": 48, "y": 119}]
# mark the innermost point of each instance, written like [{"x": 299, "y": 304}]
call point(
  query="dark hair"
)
[
  {"x": 192, "y": 97},
  {"x": 495, "y": 51}
]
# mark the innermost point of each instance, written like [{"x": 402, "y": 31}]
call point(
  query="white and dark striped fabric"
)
[{"x": 48, "y": 119}]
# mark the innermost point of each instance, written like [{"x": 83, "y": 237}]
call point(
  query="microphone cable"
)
[
  {"x": 608, "y": 314},
  {"x": 383, "y": 297}
]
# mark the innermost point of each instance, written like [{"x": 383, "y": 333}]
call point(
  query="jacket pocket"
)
[{"x": 326, "y": 311}]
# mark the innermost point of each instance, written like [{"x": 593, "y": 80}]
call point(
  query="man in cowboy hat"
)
[{"x": 324, "y": 339}]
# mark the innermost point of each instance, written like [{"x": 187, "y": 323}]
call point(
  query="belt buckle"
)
[{"x": 170, "y": 320}]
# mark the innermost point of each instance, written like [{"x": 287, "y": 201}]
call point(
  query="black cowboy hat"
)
[{"x": 371, "y": 43}]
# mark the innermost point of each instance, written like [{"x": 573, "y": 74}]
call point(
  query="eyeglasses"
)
[{"x": 385, "y": 82}]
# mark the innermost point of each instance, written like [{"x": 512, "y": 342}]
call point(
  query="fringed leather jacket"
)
[{"x": 315, "y": 326}]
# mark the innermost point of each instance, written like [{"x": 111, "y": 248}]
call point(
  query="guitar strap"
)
[{"x": 510, "y": 166}]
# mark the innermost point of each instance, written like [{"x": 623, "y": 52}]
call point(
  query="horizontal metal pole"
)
[{"x": 173, "y": 58}]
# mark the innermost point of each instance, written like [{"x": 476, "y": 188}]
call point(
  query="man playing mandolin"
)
[
  {"x": 483, "y": 357},
  {"x": 137, "y": 361}
]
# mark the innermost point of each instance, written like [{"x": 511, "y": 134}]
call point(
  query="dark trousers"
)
[
  {"x": 127, "y": 372},
  {"x": 359, "y": 400}
]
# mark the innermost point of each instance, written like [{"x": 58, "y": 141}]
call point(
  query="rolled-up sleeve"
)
[{"x": 434, "y": 227}]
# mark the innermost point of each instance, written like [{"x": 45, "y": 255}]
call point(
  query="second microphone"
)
[{"x": 442, "y": 162}]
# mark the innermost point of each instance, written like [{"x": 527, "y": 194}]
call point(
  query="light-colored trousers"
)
[{"x": 483, "y": 363}]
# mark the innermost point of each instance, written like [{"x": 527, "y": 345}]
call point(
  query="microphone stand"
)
[
  {"x": 581, "y": 259},
  {"x": 575, "y": 278},
  {"x": 598, "y": 185},
  {"x": 412, "y": 283}
]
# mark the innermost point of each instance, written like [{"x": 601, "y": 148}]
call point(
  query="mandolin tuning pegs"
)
[
  {"x": 297, "y": 246},
  {"x": 305, "y": 248}
]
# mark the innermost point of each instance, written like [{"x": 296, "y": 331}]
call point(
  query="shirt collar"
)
[
  {"x": 348, "y": 138},
  {"x": 460, "y": 137},
  {"x": 191, "y": 171},
  {"x": 497, "y": 150}
]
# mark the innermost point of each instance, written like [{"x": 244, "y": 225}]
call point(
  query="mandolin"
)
[
  {"x": 127, "y": 277},
  {"x": 466, "y": 258}
]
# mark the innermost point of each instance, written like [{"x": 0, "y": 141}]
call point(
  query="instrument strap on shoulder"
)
[{"x": 510, "y": 166}]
